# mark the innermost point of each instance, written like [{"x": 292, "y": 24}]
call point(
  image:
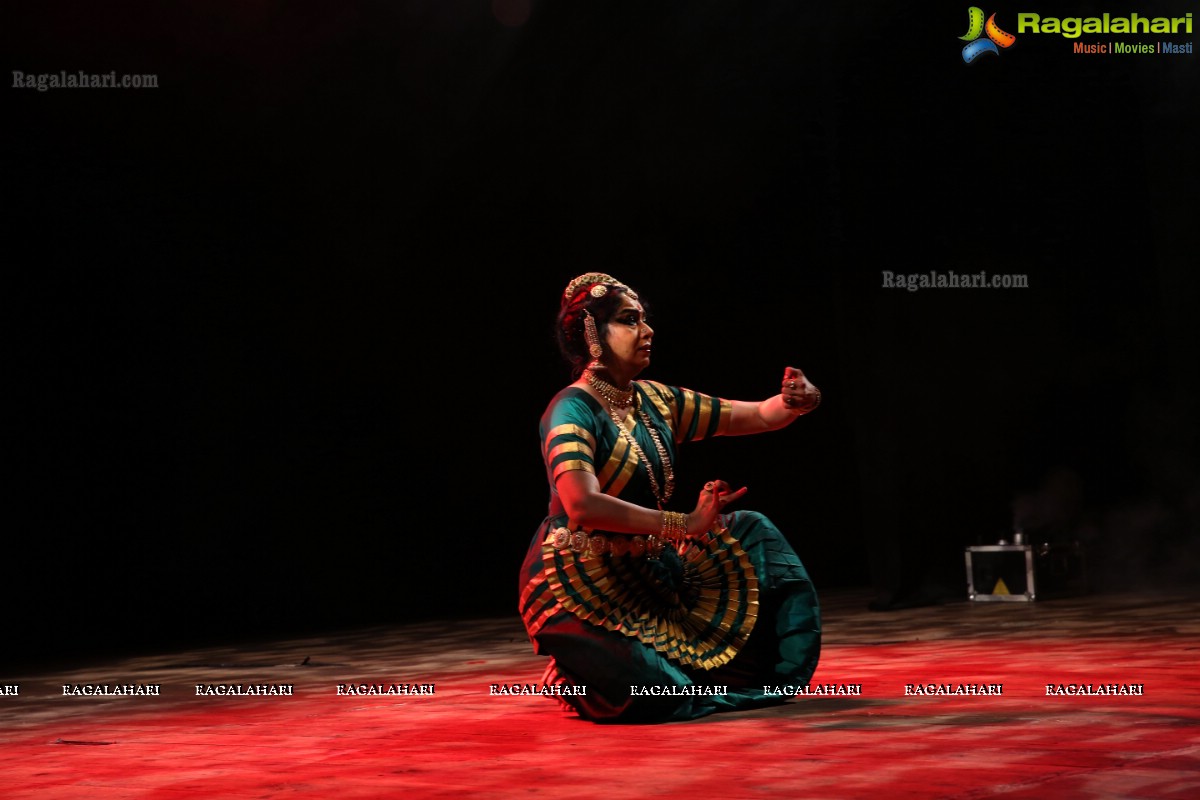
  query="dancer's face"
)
[{"x": 628, "y": 338}]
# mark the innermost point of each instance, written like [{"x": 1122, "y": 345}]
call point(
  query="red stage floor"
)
[{"x": 463, "y": 741}]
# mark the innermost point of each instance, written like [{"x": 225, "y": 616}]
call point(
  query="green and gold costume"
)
[{"x": 703, "y": 628}]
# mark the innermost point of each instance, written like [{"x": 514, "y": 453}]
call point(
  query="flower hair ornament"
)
[{"x": 599, "y": 282}]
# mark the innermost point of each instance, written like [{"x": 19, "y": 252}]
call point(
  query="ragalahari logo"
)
[{"x": 976, "y": 28}]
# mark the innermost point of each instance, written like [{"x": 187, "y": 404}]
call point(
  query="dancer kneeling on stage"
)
[{"x": 649, "y": 614}]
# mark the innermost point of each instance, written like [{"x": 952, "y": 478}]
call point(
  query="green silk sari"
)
[{"x": 713, "y": 624}]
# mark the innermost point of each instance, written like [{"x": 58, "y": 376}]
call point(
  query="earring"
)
[{"x": 592, "y": 335}]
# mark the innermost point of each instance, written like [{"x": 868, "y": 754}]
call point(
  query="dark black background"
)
[{"x": 282, "y": 327}]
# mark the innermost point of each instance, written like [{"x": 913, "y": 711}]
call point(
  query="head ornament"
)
[{"x": 599, "y": 281}]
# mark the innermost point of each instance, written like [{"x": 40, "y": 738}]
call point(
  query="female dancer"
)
[{"x": 649, "y": 614}]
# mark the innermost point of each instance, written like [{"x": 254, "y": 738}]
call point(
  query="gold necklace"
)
[
  {"x": 661, "y": 496},
  {"x": 621, "y": 398}
]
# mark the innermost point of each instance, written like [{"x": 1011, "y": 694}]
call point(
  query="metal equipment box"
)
[{"x": 1022, "y": 572}]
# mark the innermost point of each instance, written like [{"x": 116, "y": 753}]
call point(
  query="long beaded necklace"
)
[
  {"x": 662, "y": 496},
  {"x": 623, "y": 398}
]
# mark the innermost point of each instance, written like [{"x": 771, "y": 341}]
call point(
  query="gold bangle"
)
[{"x": 674, "y": 526}]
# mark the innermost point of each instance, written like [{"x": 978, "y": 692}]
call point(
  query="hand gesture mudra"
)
[
  {"x": 798, "y": 394},
  {"x": 713, "y": 498}
]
